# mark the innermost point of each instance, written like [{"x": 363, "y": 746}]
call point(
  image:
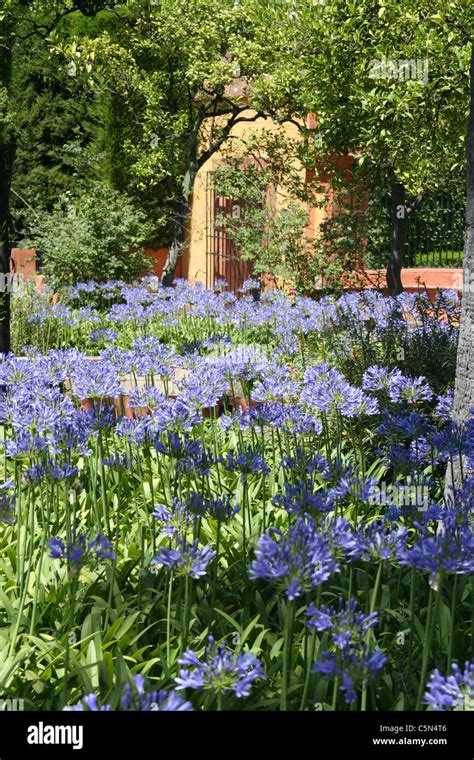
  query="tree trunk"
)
[
  {"x": 7, "y": 156},
  {"x": 399, "y": 237},
  {"x": 464, "y": 386},
  {"x": 181, "y": 208},
  {"x": 180, "y": 219}
]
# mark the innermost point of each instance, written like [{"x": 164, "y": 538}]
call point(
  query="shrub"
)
[{"x": 96, "y": 235}]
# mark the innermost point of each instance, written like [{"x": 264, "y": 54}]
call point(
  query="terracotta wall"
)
[
  {"x": 413, "y": 279},
  {"x": 23, "y": 261},
  {"x": 159, "y": 258}
]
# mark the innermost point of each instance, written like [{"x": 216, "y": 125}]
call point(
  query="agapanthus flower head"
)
[
  {"x": 137, "y": 698},
  {"x": 444, "y": 406},
  {"x": 246, "y": 462},
  {"x": 7, "y": 501},
  {"x": 186, "y": 559},
  {"x": 203, "y": 387},
  {"x": 302, "y": 499},
  {"x": 141, "y": 431},
  {"x": 354, "y": 487},
  {"x": 274, "y": 384},
  {"x": 100, "y": 416},
  {"x": 175, "y": 519},
  {"x": 387, "y": 381},
  {"x": 295, "y": 562},
  {"x": 355, "y": 668},
  {"x": 81, "y": 551},
  {"x": 326, "y": 389},
  {"x": 117, "y": 461},
  {"x": 103, "y": 335},
  {"x": 448, "y": 545},
  {"x": 251, "y": 284},
  {"x": 215, "y": 507},
  {"x": 141, "y": 698},
  {"x": 452, "y": 441},
  {"x": 190, "y": 455},
  {"x": 414, "y": 390},
  {"x": 89, "y": 703},
  {"x": 399, "y": 427},
  {"x": 347, "y": 622},
  {"x": 298, "y": 419},
  {"x": 220, "y": 670},
  {"x": 95, "y": 380},
  {"x": 147, "y": 397},
  {"x": 50, "y": 470},
  {"x": 343, "y": 538},
  {"x": 25, "y": 444},
  {"x": 244, "y": 364},
  {"x": 305, "y": 463},
  {"x": 452, "y": 692},
  {"x": 352, "y": 660},
  {"x": 382, "y": 540}
]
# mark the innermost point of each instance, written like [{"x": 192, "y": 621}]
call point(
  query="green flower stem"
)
[
  {"x": 373, "y": 604},
  {"x": 412, "y": 622},
  {"x": 72, "y": 607},
  {"x": 334, "y": 694},
  {"x": 187, "y": 610},
  {"x": 452, "y": 624},
  {"x": 431, "y": 617},
  {"x": 168, "y": 621},
  {"x": 288, "y": 640},
  {"x": 24, "y": 580}
]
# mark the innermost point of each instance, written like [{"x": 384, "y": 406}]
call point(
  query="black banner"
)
[{"x": 89, "y": 734}]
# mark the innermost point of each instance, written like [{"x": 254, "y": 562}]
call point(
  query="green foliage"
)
[
  {"x": 96, "y": 235},
  {"x": 264, "y": 183},
  {"x": 56, "y": 134},
  {"x": 24, "y": 302}
]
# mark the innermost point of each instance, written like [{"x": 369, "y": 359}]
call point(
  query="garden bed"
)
[{"x": 244, "y": 510}]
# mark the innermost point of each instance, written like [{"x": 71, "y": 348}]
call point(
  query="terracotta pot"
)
[
  {"x": 123, "y": 408},
  {"x": 206, "y": 412},
  {"x": 118, "y": 403}
]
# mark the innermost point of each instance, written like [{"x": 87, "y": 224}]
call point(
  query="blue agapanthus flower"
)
[
  {"x": 387, "y": 381},
  {"x": 220, "y": 670},
  {"x": 7, "y": 501},
  {"x": 191, "y": 457},
  {"x": 303, "y": 499},
  {"x": 354, "y": 487},
  {"x": 452, "y": 692},
  {"x": 186, "y": 559},
  {"x": 352, "y": 660},
  {"x": 49, "y": 470},
  {"x": 137, "y": 698},
  {"x": 295, "y": 562},
  {"x": 118, "y": 462},
  {"x": 140, "y": 699},
  {"x": 382, "y": 540},
  {"x": 81, "y": 551},
  {"x": 246, "y": 462},
  {"x": 326, "y": 389},
  {"x": 215, "y": 507},
  {"x": 346, "y": 622},
  {"x": 355, "y": 668},
  {"x": 88, "y": 703},
  {"x": 305, "y": 463},
  {"x": 450, "y": 548}
]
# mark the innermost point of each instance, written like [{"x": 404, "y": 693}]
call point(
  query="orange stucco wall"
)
[{"x": 194, "y": 257}]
